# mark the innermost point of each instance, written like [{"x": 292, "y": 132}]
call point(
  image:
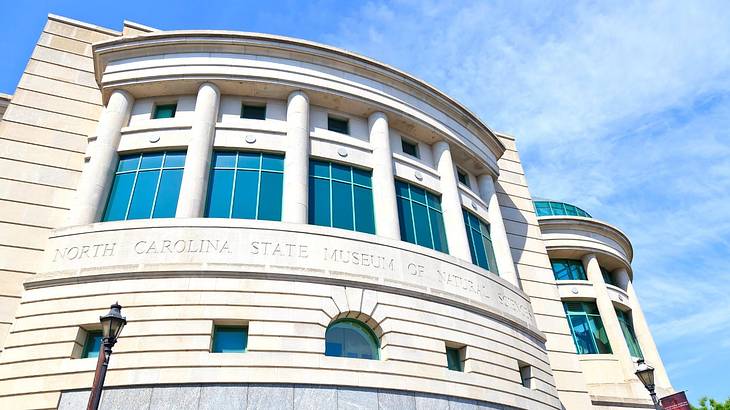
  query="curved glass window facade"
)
[
  {"x": 245, "y": 185},
  {"x": 341, "y": 196},
  {"x": 351, "y": 338},
  {"x": 145, "y": 185},
  {"x": 587, "y": 328},
  {"x": 480, "y": 243},
  {"x": 421, "y": 220},
  {"x": 551, "y": 208},
  {"x": 627, "y": 326},
  {"x": 568, "y": 269}
]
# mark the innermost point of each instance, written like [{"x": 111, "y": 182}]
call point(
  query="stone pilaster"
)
[
  {"x": 451, "y": 202},
  {"x": 296, "y": 162},
  {"x": 386, "y": 208}
]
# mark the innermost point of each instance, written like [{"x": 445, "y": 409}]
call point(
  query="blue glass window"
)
[
  {"x": 164, "y": 111},
  {"x": 351, "y": 338},
  {"x": 568, "y": 269},
  {"x": 551, "y": 208},
  {"x": 627, "y": 326},
  {"x": 338, "y": 125},
  {"x": 230, "y": 339},
  {"x": 607, "y": 277},
  {"x": 145, "y": 186},
  {"x": 480, "y": 243},
  {"x": 245, "y": 185},
  {"x": 92, "y": 345},
  {"x": 463, "y": 177},
  {"x": 453, "y": 359},
  {"x": 421, "y": 221},
  {"x": 253, "y": 112},
  {"x": 587, "y": 328},
  {"x": 341, "y": 196}
]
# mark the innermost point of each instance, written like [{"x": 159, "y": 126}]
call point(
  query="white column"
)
[
  {"x": 608, "y": 315},
  {"x": 194, "y": 186},
  {"x": 497, "y": 231},
  {"x": 451, "y": 202},
  {"x": 643, "y": 333},
  {"x": 98, "y": 174},
  {"x": 386, "y": 208},
  {"x": 296, "y": 162}
]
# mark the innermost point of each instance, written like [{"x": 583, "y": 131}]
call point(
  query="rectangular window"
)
[
  {"x": 92, "y": 344},
  {"x": 627, "y": 326},
  {"x": 568, "y": 269},
  {"x": 454, "y": 359},
  {"x": 410, "y": 148},
  {"x": 253, "y": 112},
  {"x": 421, "y": 220},
  {"x": 480, "y": 243},
  {"x": 338, "y": 125},
  {"x": 229, "y": 339},
  {"x": 145, "y": 186},
  {"x": 525, "y": 374},
  {"x": 587, "y": 328},
  {"x": 463, "y": 177},
  {"x": 607, "y": 277},
  {"x": 164, "y": 111},
  {"x": 246, "y": 185},
  {"x": 341, "y": 196}
]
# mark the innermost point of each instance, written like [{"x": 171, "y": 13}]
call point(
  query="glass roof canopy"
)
[{"x": 553, "y": 208}]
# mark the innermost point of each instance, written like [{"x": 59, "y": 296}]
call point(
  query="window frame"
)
[
  {"x": 158, "y": 106},
  {"x": 333, "y": 119},
  {"x": 596, "y": 318},
  {"x": 570, "y": 264},
  {"x": 357, "y": 218},
  {"x": 626, "y": 323},
  {"x": 362, "y": 325},
  {"x": 473, "y": 233},
  {"x": 408, "y": 142},
  {"x": 465, "y": 181},
  {"x": 90, "y": 334},
  {"x": 217, "y": 327},
  {"x": 245, "y": 105},
  {"x": 137, "y": 171},
  {"x": 429, "y": 208},
  {"x": 260, "y": 170}
]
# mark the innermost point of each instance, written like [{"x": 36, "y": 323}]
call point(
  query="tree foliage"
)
[{"x": 707, "y": 403}]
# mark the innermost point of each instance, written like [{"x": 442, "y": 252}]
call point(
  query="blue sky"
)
[{"x": 622, "y": 108}]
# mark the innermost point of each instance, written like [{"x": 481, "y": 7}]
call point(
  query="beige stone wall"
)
[
  {"x": 168, "y": 340},
  {"x": 43, "y": 137},
  {"x": 536, "y": 277},
  {"x": 4, "y": 101}
]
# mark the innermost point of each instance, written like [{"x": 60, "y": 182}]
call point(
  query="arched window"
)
[{"x": 351, "y": 338}]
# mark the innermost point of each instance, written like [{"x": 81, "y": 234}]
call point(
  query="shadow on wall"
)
[{"x": 515, "y": 225}]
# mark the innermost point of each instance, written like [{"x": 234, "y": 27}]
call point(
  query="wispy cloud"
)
[{"x": 622, "y": 108}]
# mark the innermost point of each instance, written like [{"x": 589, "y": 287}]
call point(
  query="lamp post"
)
[
  {"x": 111, "y": 326},
  {"x": 645, "y": 373}
]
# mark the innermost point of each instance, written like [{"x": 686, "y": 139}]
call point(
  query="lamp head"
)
[
  {"x": 112, "y": 323},
  {"x": 645, "y": 373}
]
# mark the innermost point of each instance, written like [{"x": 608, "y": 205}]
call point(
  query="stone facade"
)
[{"x": 87, "y": 97}]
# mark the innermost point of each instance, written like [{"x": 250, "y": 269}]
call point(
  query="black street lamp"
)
[
  {"x": 111, "y": 326},
  {"x": 645, "y": 373}
]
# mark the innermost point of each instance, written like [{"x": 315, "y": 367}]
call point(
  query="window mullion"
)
[
  {"x": 233, "y": 186},
  {"x": 134, "y": 185},
  {"x": 157, "y": 186},
  {"x": 258, "y": 185}
]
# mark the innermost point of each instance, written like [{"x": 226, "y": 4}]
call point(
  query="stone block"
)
[
  {"x": 456, "y": 403},
  {"x": 126, "y": 398},
  {"x": 223, "y": 397},
  {"x": 426, "y": 401},
  {"x": 270, "y": 397},
  {"x": 73, "y": 400},
  {"x": 396, "y": 400},
  {"x": 308, "y": 397},
  {"x": 356, "y": 399},
  {"x": 175, "y": 397}
]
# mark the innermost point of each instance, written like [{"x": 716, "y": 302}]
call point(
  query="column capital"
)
[{"x": 297, "y": 93}]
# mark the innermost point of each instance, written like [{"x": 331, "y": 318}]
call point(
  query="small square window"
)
[
  {"x": 253, "y": 112},
  {"x": 463, "y": 177},
  {"x": 92, "y": 344},
  {"x": 454, "y": 359},
  {"x": 410, "y": 148},
  {"x": 338, "y": 125},
  {"x": 230, "y": 339},
  {"x": 165, "y": 111},
  {"x": 526, "y": 375}
]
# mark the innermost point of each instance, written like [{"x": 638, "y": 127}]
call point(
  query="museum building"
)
[{"x": 290, "y": 225}]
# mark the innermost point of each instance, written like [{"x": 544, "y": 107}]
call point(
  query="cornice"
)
[
  {"x": 589, "y": 225},
  {"x": 297, "y": 49}
]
